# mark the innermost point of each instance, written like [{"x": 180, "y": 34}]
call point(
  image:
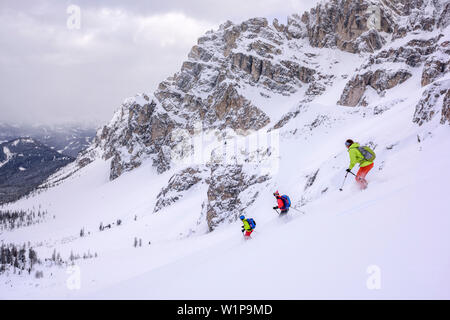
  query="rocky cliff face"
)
[
  {"x": 417, "y": 15},
  {"x": 233, "y": 75},
  {"x": 380, "y": 80},
  {"x": 210, "y": 89},
  {"x": 435, "y": 102},
  {"x": 229, "y": 193},
  {"x": 437, "y": 64},
  {"x": 344, "y": 24},
  {"x": 178, "y": 185},
  {"x": 390, "y": 67}
]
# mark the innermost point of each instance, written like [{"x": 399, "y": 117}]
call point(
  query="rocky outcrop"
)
[
  {"x": 435, "y": 102},
  {"x": 445, "y": 115},
  {"x": 412, "y": 54},
  {"x": 437, "y": 65},
  {"x": 379, "y": 80},
  {"x": 344, "y": 24},
  {"x": 434, "y": 69},
  {"x": 354, "y": 90},
  {"x": 432, "y": 54},
  {"x": 229, "y": 190},
  {"x": 229, "y": 109},
  {"x": 361, "y": 25},
  {"x": 280, "y": 77},
  {"x": 419, "y": 15},
  {"x": 405, "y": 7},
  {"x": 229, "y": 193},
  {"x": 444, "y": 16},
  {"x": 178, "y": 185},
  {"x": 138, "y": 130}
]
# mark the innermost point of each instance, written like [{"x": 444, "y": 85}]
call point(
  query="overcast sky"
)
[{"x": 52, "y": 73}]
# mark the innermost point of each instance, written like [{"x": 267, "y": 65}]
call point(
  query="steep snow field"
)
[{"x": 400, "y": 224}]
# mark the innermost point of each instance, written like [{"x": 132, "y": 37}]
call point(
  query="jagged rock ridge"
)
[{"x": 232, "y": 75}]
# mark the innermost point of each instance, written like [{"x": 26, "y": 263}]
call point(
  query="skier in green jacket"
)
[
  {"x": 357, "y": 157},
  {"x": 248, "y": 227}
]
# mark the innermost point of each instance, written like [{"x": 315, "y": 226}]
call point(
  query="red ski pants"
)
[{"x": 361, "y": 175}]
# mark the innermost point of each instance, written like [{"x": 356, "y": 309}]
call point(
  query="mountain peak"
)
[{"x": 233, "y": 73}]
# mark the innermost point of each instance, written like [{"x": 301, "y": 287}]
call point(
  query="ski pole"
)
[
  {"x": 343, "y": 182},
  {"x": 302, "y": 212}
]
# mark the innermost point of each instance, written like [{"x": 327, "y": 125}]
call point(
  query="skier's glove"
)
[
  {"x": 275, "y": 208},
  {"x": 348, "y": 170}
]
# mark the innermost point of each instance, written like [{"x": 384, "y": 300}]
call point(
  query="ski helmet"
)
[
  {"x": 348, "y": 143},
  {"x": 242, "y": 217}
]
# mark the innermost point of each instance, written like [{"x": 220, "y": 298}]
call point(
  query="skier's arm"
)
[{"x": 353, "y": 159}]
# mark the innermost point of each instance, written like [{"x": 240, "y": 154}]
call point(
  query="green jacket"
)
[
  {"x": 357, "y": 157},
  {"x": 246, "y": 225}
]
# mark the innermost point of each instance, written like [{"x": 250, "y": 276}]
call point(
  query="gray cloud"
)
[{"x": 52, "y": 74}]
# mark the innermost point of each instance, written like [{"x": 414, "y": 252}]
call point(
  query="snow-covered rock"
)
[
  {"x": 380, "y": 80},
  {"x": 229, "y": 193},
  {"x": 177, "y": 186},
  {"x": 435, "y": 102},
  {"x": 344, "y": 24},
  {"x": 394, "y": 64},
  {"x": 437, "y": 65}
]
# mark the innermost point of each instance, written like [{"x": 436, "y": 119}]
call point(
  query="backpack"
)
[
  {"x": 252, "y": 223},
  {"x": 367, "y": 153},
  {"x": 286, "y": 200}
]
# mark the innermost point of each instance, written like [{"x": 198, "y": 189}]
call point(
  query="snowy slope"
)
[{"x": 398, "y": 226}]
